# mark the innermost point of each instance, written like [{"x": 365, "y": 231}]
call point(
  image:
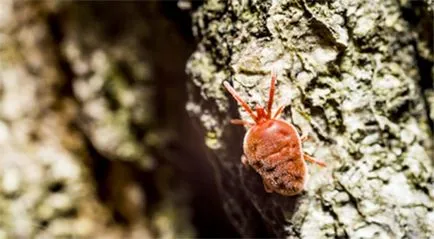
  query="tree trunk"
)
[
  {"x": 358, "y": 77},
  {"x": 95, "y": 141},
  {"x": 85, "y": 127}
]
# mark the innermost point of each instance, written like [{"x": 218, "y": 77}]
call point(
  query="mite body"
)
[{"x": 273, "y": 147}]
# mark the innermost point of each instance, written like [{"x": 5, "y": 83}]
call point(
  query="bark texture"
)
[
  {"x": 81, "y": 129},
  {"x": 358, "y": 77}
]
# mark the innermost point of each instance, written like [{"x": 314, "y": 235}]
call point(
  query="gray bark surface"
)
[
  {"x": 80, "y": 136},
  {"x": 358, "y": 77}
]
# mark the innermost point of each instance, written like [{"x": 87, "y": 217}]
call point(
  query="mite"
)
[{"x": 273, "y": 147}]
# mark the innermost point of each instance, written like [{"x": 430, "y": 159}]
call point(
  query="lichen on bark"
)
[
  {"x": 348, "y": 70},
  {"x": 44, "y": 187},
  {"x": 78, "y": 139}
]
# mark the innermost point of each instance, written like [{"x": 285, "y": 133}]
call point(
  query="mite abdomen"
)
[{"x": 286, "y": 177}]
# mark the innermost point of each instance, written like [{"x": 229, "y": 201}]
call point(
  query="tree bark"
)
[
  {"x": 95, "y": 141},
  {"x": 83, "y": 133},
  {"x": 358, "y": 78}
]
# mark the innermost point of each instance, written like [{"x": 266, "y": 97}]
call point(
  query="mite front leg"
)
[
  {"x": 242, "y": 122},
  {"x": 314, "y": 160},
  {"x": 278, "y": 112}
]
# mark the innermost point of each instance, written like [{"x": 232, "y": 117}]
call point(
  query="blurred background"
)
[{"x": 95, "y": 141}]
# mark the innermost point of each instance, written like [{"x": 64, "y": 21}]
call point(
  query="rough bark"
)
[
  {"x": 81, "y": 130},
  {"x": 351, "y": 72}
]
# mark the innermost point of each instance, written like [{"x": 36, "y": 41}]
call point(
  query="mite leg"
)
[
  {"x": 278, "y": 112},
  {"x": 271, "y": 94},
  {"x": 241, "y": 122},
  {"x": 267, "y": 187},
  {"x": 305, "y": 137},
  {"x": 313, "y": 160},
  {"x": 240, "y": 101}
]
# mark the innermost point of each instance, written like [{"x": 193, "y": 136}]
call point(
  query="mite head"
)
[{"x": 262, "y": 115}]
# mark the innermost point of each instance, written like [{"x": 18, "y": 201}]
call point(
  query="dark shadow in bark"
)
[{"x": 168, "y": 47}]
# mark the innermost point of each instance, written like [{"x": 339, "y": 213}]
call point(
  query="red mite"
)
[{"x": 273, "y": 147}]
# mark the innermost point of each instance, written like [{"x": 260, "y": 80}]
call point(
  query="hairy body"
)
[{"x": 273, "y": 148}]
